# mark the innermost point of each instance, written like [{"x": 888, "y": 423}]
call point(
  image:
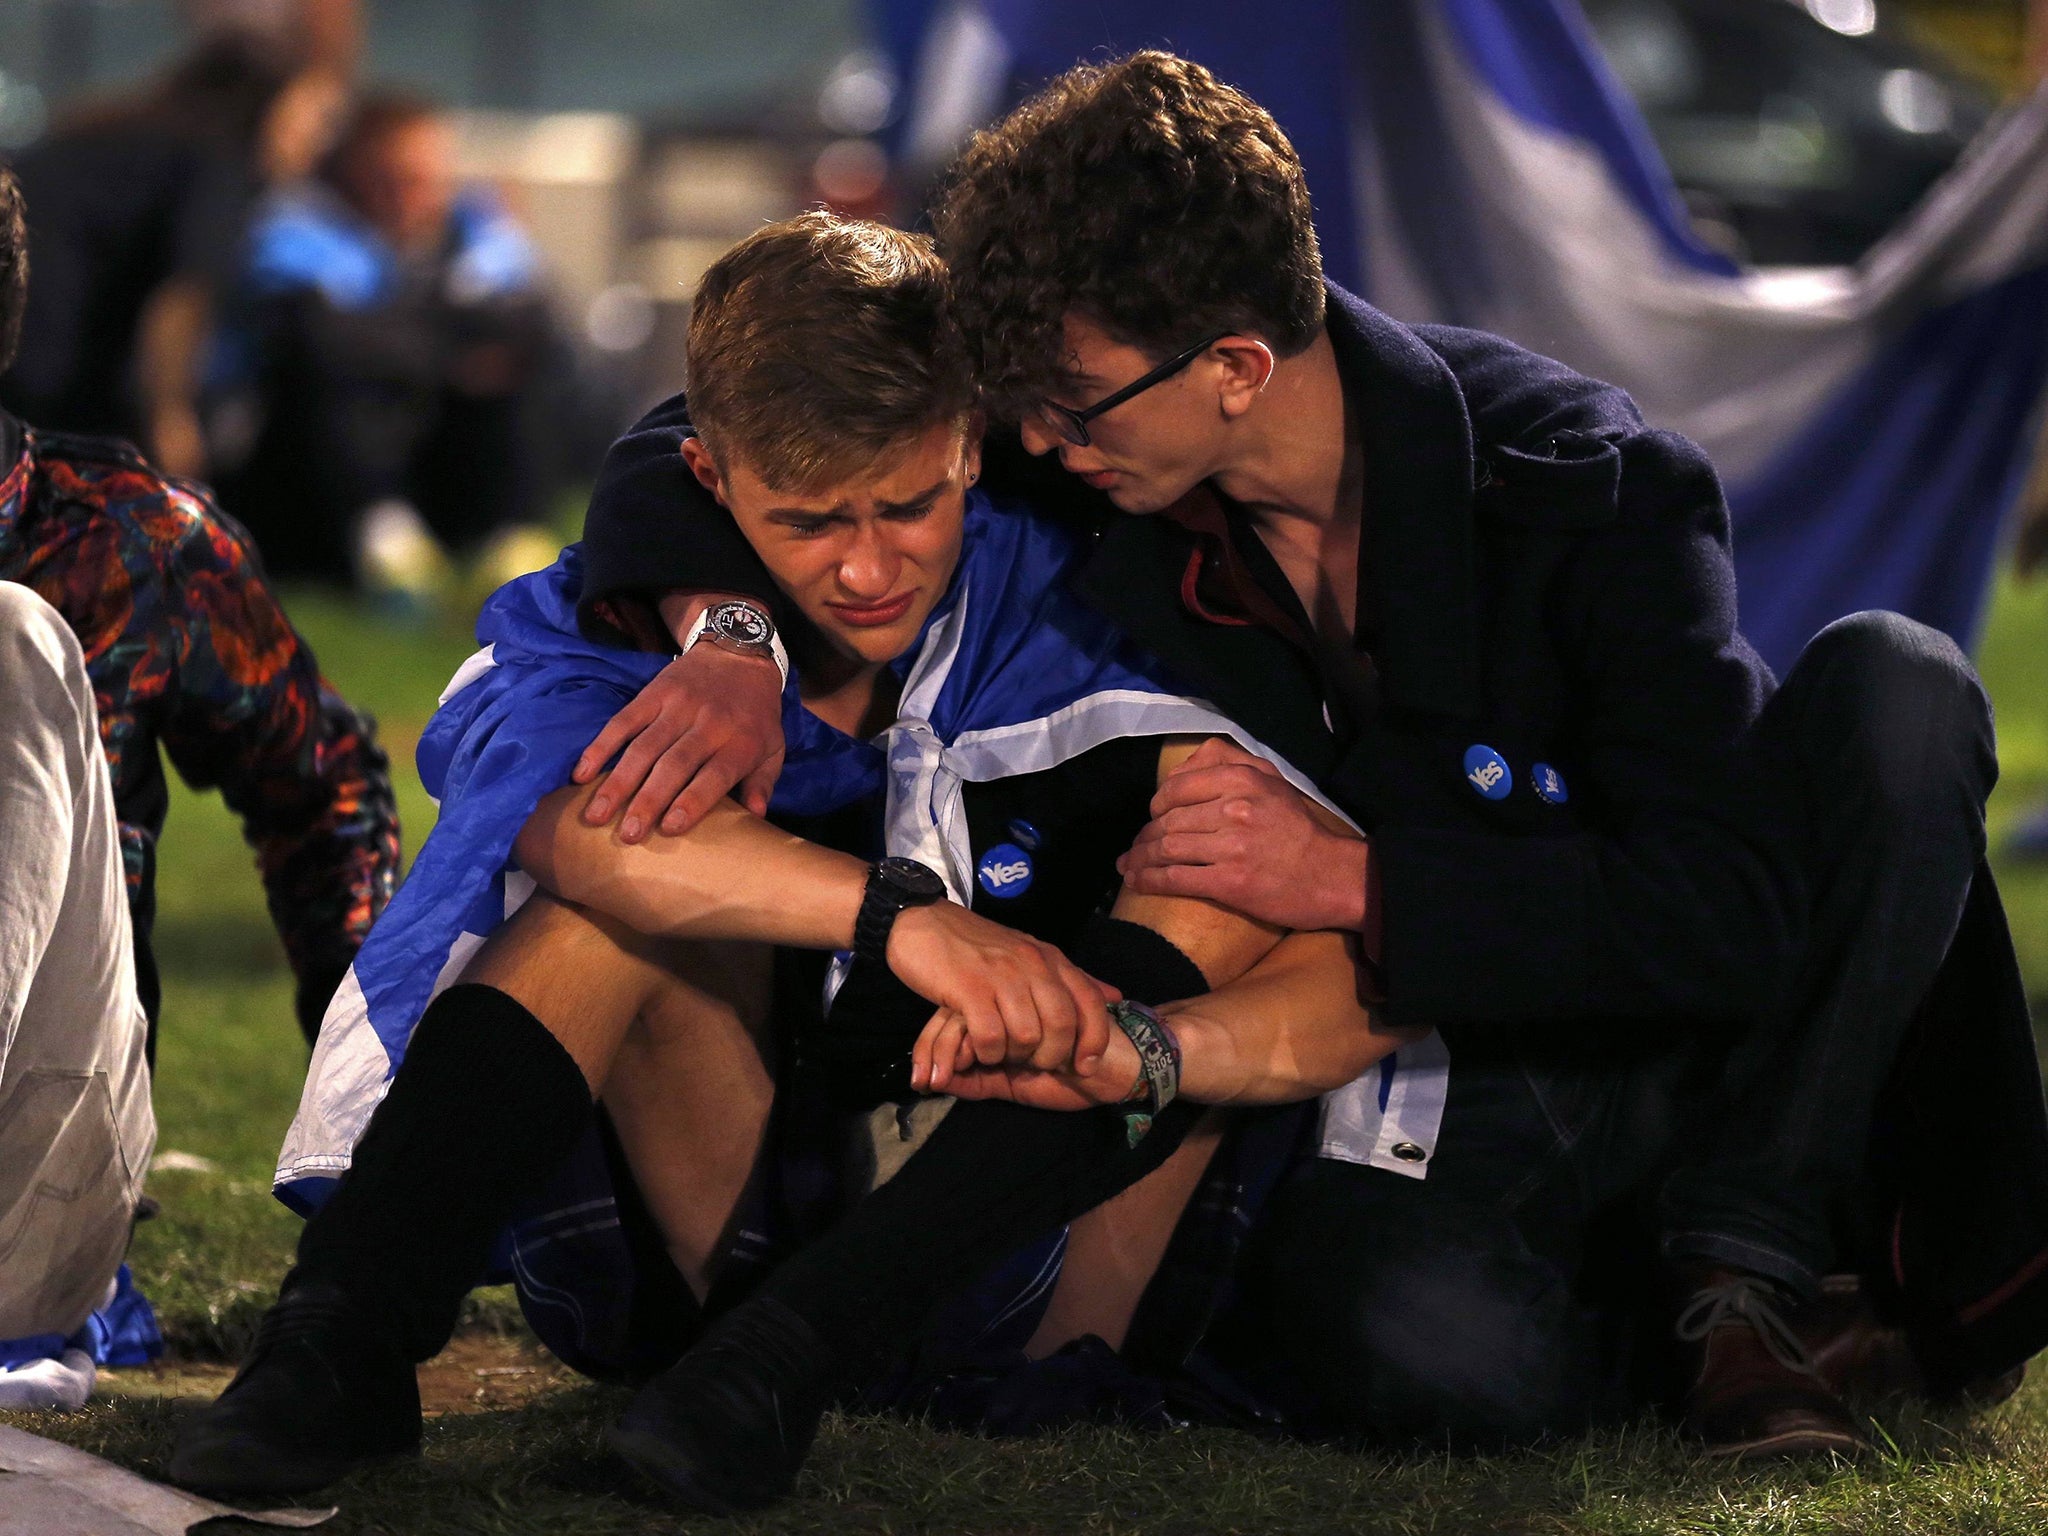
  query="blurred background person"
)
[
  {"x": 384, "y": 378},
  {"x": 188, "y": 650},
  {"x": 327, "y": 34},
  {"x": 139, "y": 209}
]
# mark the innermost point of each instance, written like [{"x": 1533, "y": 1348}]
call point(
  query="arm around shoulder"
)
[{"x": 651, "y": 528}]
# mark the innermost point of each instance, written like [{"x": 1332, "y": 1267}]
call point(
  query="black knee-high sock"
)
[
  {"x": 485, "y": 1107},
  {"x": 992, "y": 1177}
]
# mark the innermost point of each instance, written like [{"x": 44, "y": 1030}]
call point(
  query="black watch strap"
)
[{"x": 893, "y": 885}]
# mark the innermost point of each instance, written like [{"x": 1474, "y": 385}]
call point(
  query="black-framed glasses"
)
[{"x": 1072, "y": 425}]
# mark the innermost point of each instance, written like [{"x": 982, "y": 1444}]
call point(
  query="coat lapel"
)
[
  {"x": 1419, "y": 458},
  {"x": 1251, "y": 674},
  {"x": 1418, "y": 477}
]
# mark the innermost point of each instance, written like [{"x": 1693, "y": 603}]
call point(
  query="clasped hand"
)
[
  {"x": 708, "y": 722},
  {"x": 1005, "y": 1000},
  {"x": 1227, "y": 828}
]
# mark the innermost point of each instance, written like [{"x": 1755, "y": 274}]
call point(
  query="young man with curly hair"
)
[{"x": 1683, "y": 932}]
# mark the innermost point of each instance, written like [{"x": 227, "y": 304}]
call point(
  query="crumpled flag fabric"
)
[{"x": 47, "y": 1489}]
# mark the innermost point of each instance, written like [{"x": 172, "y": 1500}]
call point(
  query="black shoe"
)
[
  {"x": 322, "y": 1392},
  {"x": 726, "y": 1428}
]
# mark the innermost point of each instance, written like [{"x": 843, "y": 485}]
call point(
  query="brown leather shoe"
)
[
  {"x": 1754, "y": 1390},
  {"x": 1989, "y": 1391},
  {"x": 1866, "y": 1360},
  {"x": 1859, "y": 1356}
]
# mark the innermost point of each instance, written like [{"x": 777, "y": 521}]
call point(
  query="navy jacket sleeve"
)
[
  {"x": 1681, "y": 896},
  {"x": 652, "y": 528}
]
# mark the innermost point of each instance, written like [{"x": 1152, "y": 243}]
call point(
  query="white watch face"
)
[{"x": 741, "y": 623}]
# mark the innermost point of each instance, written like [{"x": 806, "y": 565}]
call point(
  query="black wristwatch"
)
[{"x": 893, "y": 885}]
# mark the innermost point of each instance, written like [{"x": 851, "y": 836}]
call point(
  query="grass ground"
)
[{"x": 513, "y": 1450}]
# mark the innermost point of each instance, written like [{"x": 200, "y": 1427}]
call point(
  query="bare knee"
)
[{"x": 572, "y": 971}]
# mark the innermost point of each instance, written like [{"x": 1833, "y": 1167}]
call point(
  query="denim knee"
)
[
  {"x": 1427, "y": 1321},
  {"x": 1881, "y": 680}
]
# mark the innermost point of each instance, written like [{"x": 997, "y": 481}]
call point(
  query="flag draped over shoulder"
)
[
  {"x": 1475, "y": 163},
  {"x": 1012, "y": 675}
]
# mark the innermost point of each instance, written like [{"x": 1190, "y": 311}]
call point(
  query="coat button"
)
[{"x": 1409, "y": 1152}]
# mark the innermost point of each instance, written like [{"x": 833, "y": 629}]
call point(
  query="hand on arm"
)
[
  {"x": 1294, "y": 1026},
  {"x": 710, "y": 721},
  {"x": 1285, "y": 1016},
  {"x": 943, "y": 1061},
  {"x": 1222, "y": 945},
  {"x": 1227, "y": 828},
  {"x": 1013, "y": 999}
]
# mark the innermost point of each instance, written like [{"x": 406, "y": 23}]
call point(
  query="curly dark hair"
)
[
  {"x": 13, "y": 265},
  {"x": 1145, "y": 194},
  {"x": 818, "y": 346}
]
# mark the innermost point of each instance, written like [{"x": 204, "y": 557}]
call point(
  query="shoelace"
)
[{"x": 1746, "y": 1299}]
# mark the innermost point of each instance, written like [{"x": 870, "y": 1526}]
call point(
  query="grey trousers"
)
[{"x": 76, "y": 1127}]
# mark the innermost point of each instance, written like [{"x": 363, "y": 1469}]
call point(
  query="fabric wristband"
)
[{"x": 1158, "y": 1065}]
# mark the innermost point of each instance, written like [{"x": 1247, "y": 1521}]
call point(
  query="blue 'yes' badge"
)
[
  {"x": 1487, "y": 772},
  {"x": 1548, "y": 784},
  {"x": 1005, "y": 871}
]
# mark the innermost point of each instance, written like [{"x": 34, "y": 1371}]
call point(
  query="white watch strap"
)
[{"x": 703, "y": 622}]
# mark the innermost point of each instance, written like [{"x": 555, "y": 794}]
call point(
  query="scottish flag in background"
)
[{"x": 1474, "y": 162}]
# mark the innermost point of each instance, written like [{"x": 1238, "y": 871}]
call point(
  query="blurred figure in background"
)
[
  {"x": 187, "y": 649},
  {"x": 328, "y": 34},
  {"x": 383, "y": 380},
  {"x": 139, "y": 210}
]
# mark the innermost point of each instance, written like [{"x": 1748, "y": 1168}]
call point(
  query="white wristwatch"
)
[{"x": 744, "y": 630}]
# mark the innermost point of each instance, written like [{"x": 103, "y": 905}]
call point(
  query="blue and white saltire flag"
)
[
  {"x": 1475, "y": 163},
  {"x": 1012, "y": 675}
]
